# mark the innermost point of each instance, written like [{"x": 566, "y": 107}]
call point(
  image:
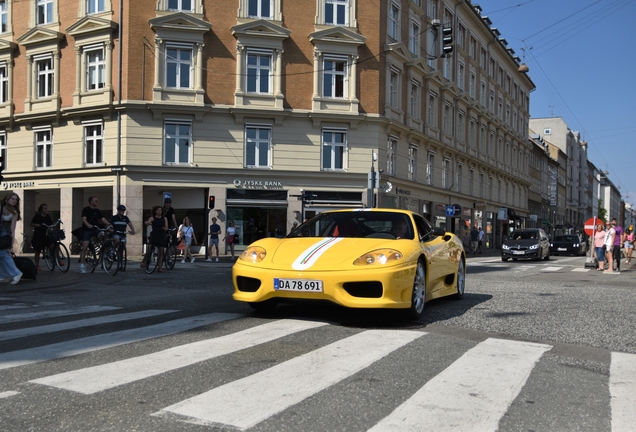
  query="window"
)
[
  {"x": 492, "y": 101},
  {"x": 481, "y": 185},
  {"x": 177, "y": 139},
  {"x": 446, "y": 173},
  {"x": 43, "y": 149},
  {"x": 412, "y": 162},
  {"x": 490, "y": 188},
  {"x": 432, "y": 114},
  {"x": 458, "y": 177},
  {"x": 499, "y": 190},
  {"x": 508, "y": 115},
  {"x": 482, "y": 94},
  {"x": 337, "y": 12},
  {"x": 334, "y": 143},
  {"x": 95, "y": 69},
  {"x": 414, "y": 38},
  {"x": 431, "y": 8},
  {"x": 259, "y": 72},
  {"x": 500, "y": 112},
  {"x": 391, "y": 156},
  {"x": 3, "y": 16},
  {"x": 257, "y": 146},
  {"x": 4, "y": 83},
  {"x": 94, "y": 144},
  {"x": 461, "y": 119},
  {"x": 334, "y": 78},
  {"x": 430, "y": 167},
  {"x": 471, "y": 133},
  {"x": 472, "y": 84},
  {"x": 447, "y": 67},
  {"x": 394, "y": 21},
  {"x": 178, "y": 67},
  {"x": 44, "y": 13},
  {"x": 94, "y": 6},
  {"x": 394, "y": 88},
  {"x": 461, "y": 77},
  {"x": 415, "y": 100},
  {"x": 3, "y": 150},
  {"x": 180, "y": 5},
  {"x": 446, "y": 120},
  {"x": 471, "y": 180},
  {"x": 482, "y": 140},
  {"x": 44, "y": 70}
]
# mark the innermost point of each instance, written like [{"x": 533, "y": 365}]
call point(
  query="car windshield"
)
[
  {"x": 574, "y": 239},
  {"x": 524, "y": 235},
  {"x": 357, "y": 224}
]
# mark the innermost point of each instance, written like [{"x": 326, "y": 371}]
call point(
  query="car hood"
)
[
  {"x": 565, "y": 243},
  {"x": 522, "y": 243},
  {"x": 318, "y": 253}
]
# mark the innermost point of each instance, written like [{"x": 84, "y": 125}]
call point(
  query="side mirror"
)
[{"x": 439, "y": 231}]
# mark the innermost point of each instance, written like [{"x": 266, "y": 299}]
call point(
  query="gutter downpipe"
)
[{"x": 119, "y": 73}]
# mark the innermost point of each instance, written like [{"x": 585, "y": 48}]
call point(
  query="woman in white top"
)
[
  {"x": 610, "y": 233},
  {"x": 231, "y": 236},
  {"x": 10, "y": 215},
  {"x": 186, "y": 232}
]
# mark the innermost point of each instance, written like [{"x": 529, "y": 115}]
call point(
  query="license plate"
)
[
  {"x": 518, "y": 252},
  {"x": 562, "y": 249},
  {"x": 298, "y": 285}
]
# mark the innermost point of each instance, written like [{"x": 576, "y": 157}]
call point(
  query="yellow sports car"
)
[{"x": 360, "y": 258}]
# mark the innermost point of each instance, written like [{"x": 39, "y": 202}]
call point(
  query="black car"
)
[
  {"x": 569, "y": 244},
  {"x": 528, "y": 243}
]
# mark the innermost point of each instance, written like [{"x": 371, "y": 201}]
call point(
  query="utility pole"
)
[{"x": 373, "y": 181}]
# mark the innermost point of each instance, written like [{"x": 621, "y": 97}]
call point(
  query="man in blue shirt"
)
[
  {"x": 215, "y": 230},
  {"x": 119, "y": 222}
]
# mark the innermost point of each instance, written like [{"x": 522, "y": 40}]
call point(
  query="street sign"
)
[
  {"x": 450, "y": 210},
  {"x": 590, "y": 225},
  {"x": 167, "y": 195}
]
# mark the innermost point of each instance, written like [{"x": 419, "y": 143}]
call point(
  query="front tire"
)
[
  {"x": 418, "y": 295},
  {"x": 461, "y": 280},
  {"x": 62, "y": 258},
  {"x": 171, "y": 256},
  {"x": 49, "y": 258},
  {"x": 504, "y": 259},
  {"x": 152, "y": 258},
  {"x": 110, "y": 261}
]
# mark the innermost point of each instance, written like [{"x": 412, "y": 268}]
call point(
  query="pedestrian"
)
[
  {"x": 91, "y": 216},
  {"x": 599, "y": 241},
  {"x": 629, "y": 245},
  {"x": 480, "y": 241},
  {"x": 474, "y": 239},
  {"x": 186, "y": 232},
  {"x": 618, "y": 236},
  {"x": 9, "y": 215},
  {"x": 610, "y": 234},
  {"x": 159, "y": 224},
  {"x": 168, "y": 212},
  {"x": 40, "y": 239},
  {"x": 231, "y": 236},
  {"x": 215, "y": 230}
]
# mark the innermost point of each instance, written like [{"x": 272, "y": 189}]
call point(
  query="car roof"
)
[{"x": 373, "y": 210}]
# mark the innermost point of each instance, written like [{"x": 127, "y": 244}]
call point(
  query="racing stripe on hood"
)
[{"x": 311, "y": 255}]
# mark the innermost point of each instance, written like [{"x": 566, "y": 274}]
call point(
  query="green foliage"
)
[{"x": 601, "y": 213}]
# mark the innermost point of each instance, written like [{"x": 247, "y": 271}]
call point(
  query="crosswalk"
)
[
  {"x": 522, "y": 267},
  {"x": 470, "y": 387}
]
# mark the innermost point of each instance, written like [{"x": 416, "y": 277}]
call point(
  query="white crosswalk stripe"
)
[{"x": 473, "y": 391}]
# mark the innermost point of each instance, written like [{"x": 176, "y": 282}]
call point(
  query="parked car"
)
[
  {"x": 357, "y": 258},
  {"x": 528, "y": 243},
  {"x": 569, "y": 244}
]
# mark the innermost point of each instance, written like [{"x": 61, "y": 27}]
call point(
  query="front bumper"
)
[
  {"x": 379, "y": 287},
  {"x": 527, "y": 254}
]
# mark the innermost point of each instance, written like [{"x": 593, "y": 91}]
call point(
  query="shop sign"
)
[
  {"x": 480, "y": 205},
  {"x": 257, "y": 184},
  {"x": 402, "y": 191},
  {"x": 440, "y": 208},
  {"x": 17, "y": 185}
]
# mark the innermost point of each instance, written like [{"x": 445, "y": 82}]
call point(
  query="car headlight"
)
[
  {"x": 380, "y": 256},
  {"x": 504, "y": 247},
  {"x": 576, "y": 245},
  {"x": 551, "y": 244},
  {"x": 535, "y": 246},
  {"x": 253, "y": 254}
]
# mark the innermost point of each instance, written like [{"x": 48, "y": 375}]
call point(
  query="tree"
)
[{"x": 601, "y": 213}]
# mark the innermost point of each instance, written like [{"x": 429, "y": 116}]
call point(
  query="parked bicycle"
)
[
  {"x": 26, "y": 246},
  {"x": 170, "y": 254},
  {"x": 57, "y": 254}
]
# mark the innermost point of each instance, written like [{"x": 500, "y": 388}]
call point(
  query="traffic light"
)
[
  {"x": 447, "y": 41},
  {"x": 211, "y": 202}
]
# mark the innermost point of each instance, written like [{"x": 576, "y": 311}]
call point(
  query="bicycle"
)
[
  {"x": 102, "y": 250},
  {"x": 57, "y": 253},
  {"x": 26, "y": 246},
  {"x": 170, "y": 254},
  {"x": 122, "y": 251}
]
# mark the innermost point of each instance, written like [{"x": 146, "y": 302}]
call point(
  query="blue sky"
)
[{"x": 582, "y": 58}]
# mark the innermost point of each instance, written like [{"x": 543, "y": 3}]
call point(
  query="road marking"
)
[
  {"x": 551, "y": 269},
  {"x": 31, "y": 331},
  {"x": 622, "y": 386},
  {"x": 94, "y": 379},
  {"x": 55, "y": 313},
  {"x": 108, "y": 340},
  {"x": 250, "y": 400},
  {"x": 14, "y": 306},
  {"x": 581, "y": 270},
  {"x": 473, "y": 393},
  {"x": 7, "y": 394}
]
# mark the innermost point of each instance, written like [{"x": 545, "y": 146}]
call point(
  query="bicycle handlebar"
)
[{"x": 59, "y": 221}]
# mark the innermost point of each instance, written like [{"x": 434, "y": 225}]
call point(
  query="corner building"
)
[{"x": 277, "y": 109}]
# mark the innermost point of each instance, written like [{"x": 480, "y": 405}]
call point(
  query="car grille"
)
[
  {"x": 364, "y": 289},
  {"x": 246, "y": 284}
]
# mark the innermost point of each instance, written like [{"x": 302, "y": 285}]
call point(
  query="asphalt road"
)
[{"x": 531, "y": 346}]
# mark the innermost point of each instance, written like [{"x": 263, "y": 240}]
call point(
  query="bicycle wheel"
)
[
  {"x": 49, "y": 258},
  {"x": 171, "y": 256},
  {"x": 152, "y": 258},
  {"x": 91, "y": 258},
  {"x": 110, "y": 260},
  {"x": 62, "y": 258},
  {"x": 123, "y": 257}
]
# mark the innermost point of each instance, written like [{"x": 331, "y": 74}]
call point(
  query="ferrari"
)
[{"x": 358, "y": 258}]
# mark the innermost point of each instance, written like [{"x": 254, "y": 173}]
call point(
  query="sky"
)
[{"x": 582, "y": 60}]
